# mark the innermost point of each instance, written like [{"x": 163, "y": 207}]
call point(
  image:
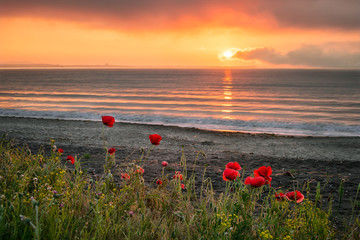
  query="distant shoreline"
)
[{"x": 109, "y": 66}]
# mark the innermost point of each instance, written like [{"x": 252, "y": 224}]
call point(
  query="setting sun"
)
[{"x": 228, "y": 54}]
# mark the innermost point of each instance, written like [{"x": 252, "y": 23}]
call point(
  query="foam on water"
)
[{"x": 275, "y": 127}]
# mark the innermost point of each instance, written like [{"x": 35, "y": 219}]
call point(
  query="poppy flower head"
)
[
  {"x": 108, "y": 120},
  {"x": 139, "y": 170},
  {"x": 281, "y": 197},
  {"x": 183, "y": 186},
  {"x": 158, "y": 182},
  {"x": 233, "y": 165},
  {"x": 178, "y": 175},
  {"x": 295, "y": 196},
  {"x": 164, "y": 163},
  {"x": 255, "y": 181},
  {"x": 125, "y": 176},
  {"x": 263, "y": 172},
  {"x": 61, "y": 150},
  {"x": 71, "y": 159},
  {"x": 111, "y": 151},
  {"x": 230, "y": 174},
  {"x": 155, "y": 139}
]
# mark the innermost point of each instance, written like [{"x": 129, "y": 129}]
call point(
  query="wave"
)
[{"x": 208, "y": 123}]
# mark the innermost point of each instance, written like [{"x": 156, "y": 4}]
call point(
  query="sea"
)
[{"x": 306, "y": 102}]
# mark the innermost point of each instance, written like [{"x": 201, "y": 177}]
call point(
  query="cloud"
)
[
  {"x": 150, "y": 15},
  {"x": 331, "y": 55}
]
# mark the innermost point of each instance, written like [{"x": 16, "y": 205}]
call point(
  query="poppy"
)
[
  {"x": 281, "y": 196},
  {"x": 158, "y": 182},
  {"x": 155, "y": 139},
  {"x": 264, "y": 172},
  {"x": 295, "y": 196},
  {"x": 233, "y": 165},
  {"x": 111, "y": 151},
  {"x": 61, "y": 150},
  {"x": 230, "y": 174},
  {"x": 71, "y": 159},
  {"x": 125, "y": 176},
  {"x": 255, "y": 181},
  {"x": 178, "y": 175},
  {"x": 183, "y": 186},
  {"x": 139, "y": 170},
  {"x": 108, "y": 120},
  {"x": 164, "y": 163}
]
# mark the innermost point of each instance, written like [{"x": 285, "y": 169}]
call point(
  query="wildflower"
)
[
  {"x": 60, "y": 150},
  {"x": 178, "y": 175},
  {"x": 155, "y": 139},
  {"x": 108, "y": 120},
  {"x": 183, "y": 186},
  {"x": 264, "y": 172},
  {"x": 125, "y": 176},
  {"x": 164, "y": 163},
  {"x": 295, "y": 196},
  {"x": 233, "y": 165},
  {"x": 230, "y": 174},
  {"x": 158, "y": 182},
  {"x": 111, "y": 151},
  {"x": 71, "y": 159},
  {"x": 255, "y": 181},
  {"x": 139, "y": 170},
  {"x": 131, "y": 213},
  {"x": 281, "y": 196}
]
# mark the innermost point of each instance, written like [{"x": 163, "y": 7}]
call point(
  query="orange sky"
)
[{"x": 195, "y": 33}]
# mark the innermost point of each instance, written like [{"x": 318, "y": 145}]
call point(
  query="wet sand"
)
[{"x": 295, "y": 160}]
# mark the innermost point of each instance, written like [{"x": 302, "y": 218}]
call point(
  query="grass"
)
[{"x": 43, "y": 197}]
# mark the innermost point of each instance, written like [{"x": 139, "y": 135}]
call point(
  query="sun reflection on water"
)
[{"x": 227, "y": 93}]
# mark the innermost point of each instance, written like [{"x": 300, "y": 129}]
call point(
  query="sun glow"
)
[{"x": 228, "y": 54}]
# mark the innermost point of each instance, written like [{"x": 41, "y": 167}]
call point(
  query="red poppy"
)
[
  {"x": 281, "y": 196},
  {"x": 61, "y": 150},
  {"x": 164, "y": 163},
  {"x": 125, "y": 176},
  {"x": 255, "y": 181},
  {"x": 178, "y": 175},
  {"x": 158, "y": 182},
  {"x": 111, "y": 151},
  {"x": 108, "y": 120},
  {"x": 71, "y": 159},
  {"x": 183, "y": 186},
  {"x": 295, "y": 196},
  {"x": 230, "y": 174},
  {"x": 139, "y": 170},
  {"x": 264, "y": 172},
  {"x": 233, "y": 165},
  {"x": 155, "y": 139}
]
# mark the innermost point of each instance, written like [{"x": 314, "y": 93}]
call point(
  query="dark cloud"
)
[
  {"x": 148, "y": 14},
  {"x": 327, "y": 56}
]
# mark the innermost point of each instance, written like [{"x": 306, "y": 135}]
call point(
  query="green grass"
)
[{"x": 44, "y": 198}]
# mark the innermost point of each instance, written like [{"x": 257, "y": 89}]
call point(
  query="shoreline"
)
[{"x": 331, "y": 148}]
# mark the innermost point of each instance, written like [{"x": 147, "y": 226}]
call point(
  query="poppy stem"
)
[
  {"x": 103, "y": 135},
  {"x": 147, "y": 154}
]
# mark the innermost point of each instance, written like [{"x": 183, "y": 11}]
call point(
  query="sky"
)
[{"x": 182, "y": 33}]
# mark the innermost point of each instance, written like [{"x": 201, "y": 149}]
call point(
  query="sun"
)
[{"x": 227, "y": 54}]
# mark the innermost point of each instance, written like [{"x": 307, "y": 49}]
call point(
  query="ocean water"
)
[{"x": 290, "y": 102}]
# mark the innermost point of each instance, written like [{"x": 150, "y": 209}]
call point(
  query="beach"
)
[{"x": 295, "y": 160}]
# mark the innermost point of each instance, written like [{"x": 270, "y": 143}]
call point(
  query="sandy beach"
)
[{"x": 295, "y": 160}]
